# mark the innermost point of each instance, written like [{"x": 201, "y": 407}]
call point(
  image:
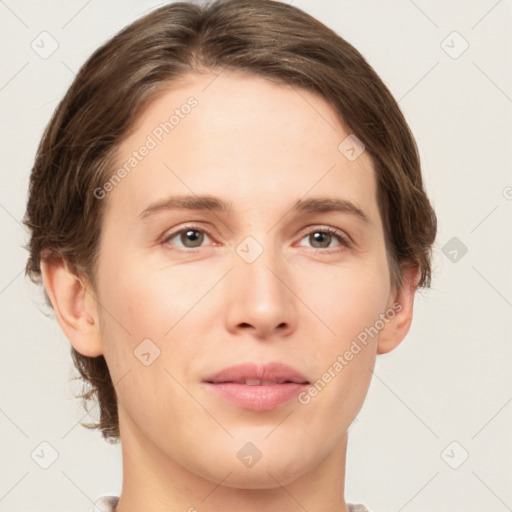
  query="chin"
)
[
  {"x": 274, "y": 469},
  {"x": 269, "y": 476}
]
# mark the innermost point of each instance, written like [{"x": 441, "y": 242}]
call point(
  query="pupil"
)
[
  {"x": 194, "y": 236},
  {"x": 321, "y": 238}
]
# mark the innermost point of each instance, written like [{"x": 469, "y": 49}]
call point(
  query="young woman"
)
[{"x": 228, "y": 217}]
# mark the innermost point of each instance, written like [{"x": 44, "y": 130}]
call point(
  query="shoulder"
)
[
  {"x": 354, "y": 507},
  {"x": 105, "y": 504},
  {"x": 108, "y": 503}
]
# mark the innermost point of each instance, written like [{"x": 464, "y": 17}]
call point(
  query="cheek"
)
[
  {"x": 348, "y": 303},
  {"x": 144, "y": 309},
  {"x": 148, "y": 300},
  {"x": 361, "y": 300},
  {"x": 166, "y": 305},
  {"x": 344, "y": 298}
]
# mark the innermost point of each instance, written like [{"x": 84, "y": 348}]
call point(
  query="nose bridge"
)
[
  {"x": 258, "y": 260},
  {"x": 260, "y": 299}
]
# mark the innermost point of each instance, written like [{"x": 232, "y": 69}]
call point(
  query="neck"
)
[{"x": 152, "y": 481}]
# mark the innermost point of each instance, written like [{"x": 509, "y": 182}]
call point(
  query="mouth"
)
[
  {"x": 259, "y": 388},
  {"x": 257, "y": 382}
]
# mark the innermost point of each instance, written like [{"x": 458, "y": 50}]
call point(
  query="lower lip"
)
[{"x": 257, "y": 398}]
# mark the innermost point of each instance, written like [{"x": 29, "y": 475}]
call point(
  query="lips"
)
[
  {"x": 252, "y": 374},
  {"x": 257, "y": 387}
]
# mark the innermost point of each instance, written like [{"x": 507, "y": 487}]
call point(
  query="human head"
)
[{"x": 78, "y": 152}]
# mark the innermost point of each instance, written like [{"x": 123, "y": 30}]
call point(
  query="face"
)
[{"x": 274, "y": 277}]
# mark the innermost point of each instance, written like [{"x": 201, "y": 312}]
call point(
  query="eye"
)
[
  {"x": 193, "y": 237},
  {"x": 322, "y": 238},
  {"x": 190, "y": 237}
]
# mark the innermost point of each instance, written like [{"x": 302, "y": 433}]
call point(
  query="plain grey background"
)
[{"x": 434, "y": 432}]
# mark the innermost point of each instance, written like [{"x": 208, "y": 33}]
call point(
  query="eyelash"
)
[{"x": 342, "y": 238}]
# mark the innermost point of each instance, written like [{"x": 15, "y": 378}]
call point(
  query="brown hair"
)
[{"x": 264, "y": 37}]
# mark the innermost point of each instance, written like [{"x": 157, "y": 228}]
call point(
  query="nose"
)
[{"x": 260, "y": 298}]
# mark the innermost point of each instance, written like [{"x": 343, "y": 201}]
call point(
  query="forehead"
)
[{"x": 242, "y": 138}]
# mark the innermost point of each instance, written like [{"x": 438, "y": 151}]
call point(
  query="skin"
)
[{"x": 261, "y": 146}]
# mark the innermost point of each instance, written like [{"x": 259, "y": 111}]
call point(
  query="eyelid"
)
[
  {"x": 167, "y": 236},
  {"x": 344, "y": 239}
]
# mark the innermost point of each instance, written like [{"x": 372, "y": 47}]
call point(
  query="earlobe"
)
[
  {"x": 398, "y": 326},
  {"x": 74, "y": 306}
]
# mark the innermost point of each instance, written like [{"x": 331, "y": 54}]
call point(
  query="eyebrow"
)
[{"x": 206, "y": 202}]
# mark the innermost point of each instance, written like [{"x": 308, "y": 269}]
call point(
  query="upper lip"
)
[{"x": 275, "y": 372}]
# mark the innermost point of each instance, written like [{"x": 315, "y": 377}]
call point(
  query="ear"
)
[
  {"x": 74, "y": 305},
  {"x": 401, "y": 303}
]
